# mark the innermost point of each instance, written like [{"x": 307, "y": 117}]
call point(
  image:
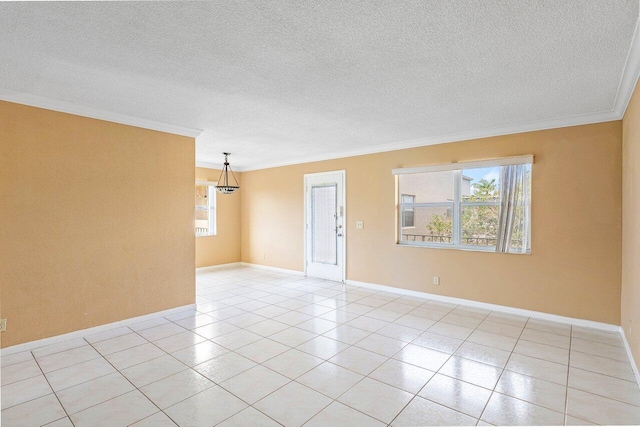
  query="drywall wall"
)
[
  {"x": 630, "y": 301},
  {"x": 97, "y": 222},
  {"x": 224, "y": 247},
  {"x": 575, "y": 265}
]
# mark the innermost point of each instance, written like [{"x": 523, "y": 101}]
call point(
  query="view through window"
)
[
  {"x": 467, "y": 209},
  {"x": 205, "y": 223}
]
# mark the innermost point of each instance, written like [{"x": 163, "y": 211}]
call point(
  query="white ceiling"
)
[{"x": 287, "y": 81}]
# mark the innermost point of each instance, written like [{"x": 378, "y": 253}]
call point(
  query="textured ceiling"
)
[{"x": 282, "y": 81}]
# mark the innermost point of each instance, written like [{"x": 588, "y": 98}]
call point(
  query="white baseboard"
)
[
  {"x": 218, "y": 267},
  {"x": 493, "y": 307},
  {"x": 634, "y": 366},
  {"x": 452, "y": 300},
  {"x": 266, "y": 267},
  {"x": 89, "y": 331}
]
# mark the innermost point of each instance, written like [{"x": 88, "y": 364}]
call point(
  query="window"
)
[
  {"x": 407, "y": 213},
  {"x": 481, "y": 205},
  {"x": 205, "y": 208}
]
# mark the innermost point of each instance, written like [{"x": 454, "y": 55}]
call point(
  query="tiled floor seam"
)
[
  {"x": 502, "y": 373},
  {"x": 369, "y": 334},
  {"x": 294, "y": 380},
  {"x": 160, "y": 379},
  {"x": 53, "y": 391},
  {"x": 437, "y": 372},
  {"x": 566, "y": 396},
  {"x": 134, "y": 386},
  {"x": 600, "y": 373}
]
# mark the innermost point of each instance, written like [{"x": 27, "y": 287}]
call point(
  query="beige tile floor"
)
[{"x": 269, "y": 349}]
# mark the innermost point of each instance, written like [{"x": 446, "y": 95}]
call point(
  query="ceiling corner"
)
[{"x": 630, "y": 75}]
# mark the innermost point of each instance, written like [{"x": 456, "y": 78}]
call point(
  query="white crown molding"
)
[
  {"x": 457, "y": 137},
  {"x": 629, "y": 75},
  {"x": 627, "y": 84},
  {"x": 628, "y": 81},
  {"x": 93, "y": 330},
  {"x": 94, "y": 113},
  {"x": 208, "y": 165}
]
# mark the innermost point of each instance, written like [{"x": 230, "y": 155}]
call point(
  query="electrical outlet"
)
[
  {"x": 360, "y": 224},
  {"x": 264, "y": 256},
  {"x": 3, "y": 325},
  {"x": 436, "y": 280}
]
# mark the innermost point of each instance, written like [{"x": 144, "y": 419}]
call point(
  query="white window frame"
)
[
  {"x": 211, "y": 207},
  {"x": 457, "y": 204}
]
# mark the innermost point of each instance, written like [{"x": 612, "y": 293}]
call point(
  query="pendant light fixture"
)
[{"x": 223, "y": 185}]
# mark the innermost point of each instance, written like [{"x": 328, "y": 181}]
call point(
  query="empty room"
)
[{"x": 320, "y": 213}]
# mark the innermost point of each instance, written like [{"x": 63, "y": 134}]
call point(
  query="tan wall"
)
[
  {"x": 97, "y": 222},
  {"x": 224, "y": 247},
  {"x": 575, "y": 266},
  {"x": 631, "y": 224}
]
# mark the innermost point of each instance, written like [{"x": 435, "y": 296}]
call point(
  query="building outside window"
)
[
  {"x": 476, "y": 208},
  {"x": 407, "y": 212}
]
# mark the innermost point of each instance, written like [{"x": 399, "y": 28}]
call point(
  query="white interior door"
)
[{"x": 324, "y": 225}]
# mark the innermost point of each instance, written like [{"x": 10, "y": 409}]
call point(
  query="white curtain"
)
[{"x": 511, "y": 187}]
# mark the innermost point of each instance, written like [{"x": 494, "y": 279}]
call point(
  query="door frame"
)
[{"x": 344, "y": 217}]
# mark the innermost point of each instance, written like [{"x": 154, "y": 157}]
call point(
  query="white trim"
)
[
  {"x": 487, "y": 306},
  {"x": 94, "y": 113},
  {"x": 267, "y": 267},
  {"x": 585, "y": 119},
  {"x": 305, "y": 230},
  {"x": 629, "y": 75},
  {"x": 493, "y": 307},
  {"x": 218, "y": 267},
  {"x": 634, "y": 366},
  {"x": 504, "y": 161},
  {"x": 343, "y": 172},
  {"x": 626, "y": 87},
  {"x": 93, "y": 330},
  {"x": 216, "y": 166}
]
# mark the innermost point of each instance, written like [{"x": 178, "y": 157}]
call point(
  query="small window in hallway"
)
[{"x": 205, "y": 220}]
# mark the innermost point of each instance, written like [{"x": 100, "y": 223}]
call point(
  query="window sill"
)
[{"x": 459, "y": 248}]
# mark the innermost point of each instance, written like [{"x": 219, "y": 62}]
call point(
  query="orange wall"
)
[
  {"x": 631, "y": 224},
  {"x": 97, "y": 222},
  {"x": 224, "y": 247},
  {"x": 575, "y": 266}
]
